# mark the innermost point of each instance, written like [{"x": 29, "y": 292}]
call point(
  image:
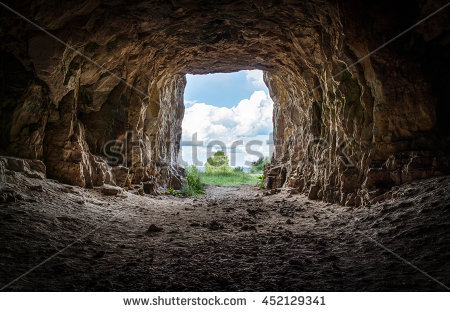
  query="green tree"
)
[
  {"x": 218, "y": 159},
  {"x": 218, "y": 164}
]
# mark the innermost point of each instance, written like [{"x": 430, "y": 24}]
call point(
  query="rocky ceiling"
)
[{"x": 343, "y": 134}]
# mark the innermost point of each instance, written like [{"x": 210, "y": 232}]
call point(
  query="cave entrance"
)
[{"x": 227, "y": 126}]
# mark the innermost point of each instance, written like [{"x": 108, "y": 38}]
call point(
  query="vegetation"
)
[
  {"x": 219, "y": 172},
  {"x": 194, "y": 185},
  {"x": 233, "y": 178},
  {"x": 258, "y": 166},
  {"x": 260, "y": 180},
  {"x": 218, "y": 164}
]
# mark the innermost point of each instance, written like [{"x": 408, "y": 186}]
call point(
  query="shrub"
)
[
  {"x": 194, "y": 185},
  {"x": 260, "y": 182},
  {"x": 238, "y": 169}
]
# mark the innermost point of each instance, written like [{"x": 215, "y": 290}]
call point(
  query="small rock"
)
[
  {"x": 34, "y": 175},
  {"x": 253, "y": 211},
  {"x": 247, "y": 227},
  {"x": 215, "y": 225},
  {"x": 110, "y": 190},
  {"x": 66, "y": 189},
  {"x": 138, "y": 192},
  {"x": 150, "y": 188},
  {"x": 36, "y": 188},
  {"x": 154, "y": 229},
  {"x": 289, "y": 221}
]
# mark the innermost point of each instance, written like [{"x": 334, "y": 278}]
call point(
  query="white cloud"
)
[
  {"x": 255, "y": 77},
  {"x": 250, "y": 119},
  {"x": 253, "y": 116}
]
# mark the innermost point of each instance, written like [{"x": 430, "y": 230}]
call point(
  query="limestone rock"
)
[
  {"x": 110, "y": 190},
  {"x": 153, "y": 228},
  {"x": 32, "y": 168},
  {"x": 380, "y": 122}
]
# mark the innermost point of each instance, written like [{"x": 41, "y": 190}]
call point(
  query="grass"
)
[
  {"x": 215, "y": 175},
  {"x": 233, "y": 178}
]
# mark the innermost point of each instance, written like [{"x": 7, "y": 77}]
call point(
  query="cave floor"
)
[{"x": 232, "y": 239}]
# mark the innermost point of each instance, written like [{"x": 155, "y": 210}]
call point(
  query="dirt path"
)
[{"x": 232, "y": 239}]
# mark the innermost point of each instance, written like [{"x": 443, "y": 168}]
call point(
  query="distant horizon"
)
[{"x": 202, "y": 168}]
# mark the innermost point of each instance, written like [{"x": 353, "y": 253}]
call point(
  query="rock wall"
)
[
  {"x": 342, "y": 135},
  {"x": 90, "y": 123},
  {"x": 348, "y": 135}
]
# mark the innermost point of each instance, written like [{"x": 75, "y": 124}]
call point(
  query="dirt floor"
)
[{"x": 233, "y": 239}]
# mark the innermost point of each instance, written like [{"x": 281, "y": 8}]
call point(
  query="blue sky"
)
[
  {"x": 234, "y": 109},
  {"x": 221, "y": 90}
]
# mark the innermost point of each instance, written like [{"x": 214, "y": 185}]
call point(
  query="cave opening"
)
[
  {"x": 356, "y": 122},
  {"x": 229, "y": 112}
]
